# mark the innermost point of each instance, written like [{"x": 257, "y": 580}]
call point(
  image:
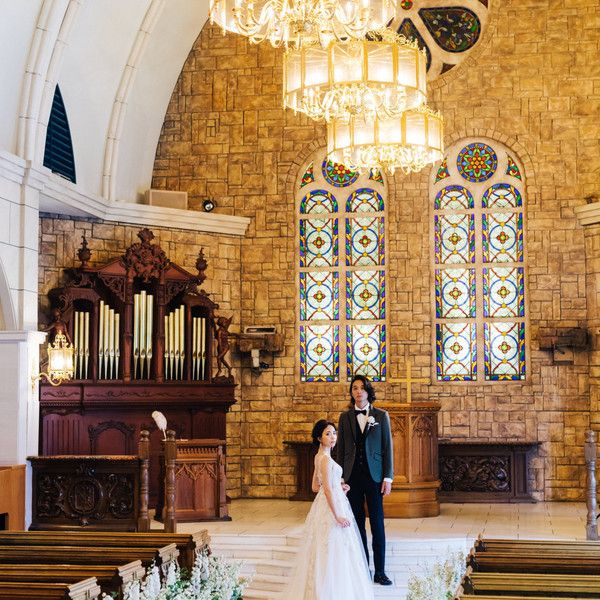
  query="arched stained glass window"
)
[
  {"x": 342, "y": 272},
  {"x": 479, "y": 264}
]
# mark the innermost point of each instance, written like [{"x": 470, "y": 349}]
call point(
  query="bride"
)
[{"x": 331, "y": 561}]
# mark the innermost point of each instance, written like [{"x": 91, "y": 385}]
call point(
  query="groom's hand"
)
[{"x": 386, "y": 487}]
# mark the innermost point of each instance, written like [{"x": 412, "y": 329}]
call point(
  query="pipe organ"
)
[
  {"x": 81, "y": 343},
  {"x": 143, "y": 335}
]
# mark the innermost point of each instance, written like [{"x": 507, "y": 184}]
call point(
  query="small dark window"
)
[{"x": 58, "y": 156}]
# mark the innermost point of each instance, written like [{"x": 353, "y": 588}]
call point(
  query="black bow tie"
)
[{"x": 361, "y": 412}]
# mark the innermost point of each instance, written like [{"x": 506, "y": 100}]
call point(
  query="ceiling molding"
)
[{"x": 63, "y": 197}]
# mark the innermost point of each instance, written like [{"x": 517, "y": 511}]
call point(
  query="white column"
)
[{"x": 19, "y": 401}]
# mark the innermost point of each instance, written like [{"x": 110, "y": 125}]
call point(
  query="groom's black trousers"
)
[{"x": 363, "y": 487}]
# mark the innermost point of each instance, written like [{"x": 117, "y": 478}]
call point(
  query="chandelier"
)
[
  {"x": 299, "y": 22},
  {"x": 360, "y": 77},
  {"x": 408, "y": 142}
]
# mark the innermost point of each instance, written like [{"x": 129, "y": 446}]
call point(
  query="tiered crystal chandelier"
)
[
  {"x": 300, "y": 22},
  {"x": 407, "y": 142},
  {"x": 364, "y": 77}
]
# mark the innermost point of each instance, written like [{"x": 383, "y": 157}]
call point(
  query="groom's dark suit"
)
[{"x": 367, "y": 459}]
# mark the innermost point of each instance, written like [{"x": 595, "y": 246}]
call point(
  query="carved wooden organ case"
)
[{"x": 144, "y": 340}]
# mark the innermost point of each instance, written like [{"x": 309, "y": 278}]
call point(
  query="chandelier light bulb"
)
[
  {"x": 370, "y": 78},
  {"x": 407, "y": 142},
  {"x": 299, "y": 22}
]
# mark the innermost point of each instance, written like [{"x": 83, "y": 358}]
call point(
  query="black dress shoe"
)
[{"x": 382, "y": 579}]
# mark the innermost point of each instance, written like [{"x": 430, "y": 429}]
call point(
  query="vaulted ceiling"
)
[{"x": 116, "y": 62}]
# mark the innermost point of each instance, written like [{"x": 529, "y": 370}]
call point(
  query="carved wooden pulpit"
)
[{"x": 414, "y": 432}]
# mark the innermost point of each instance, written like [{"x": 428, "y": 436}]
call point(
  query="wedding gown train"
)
[{"x": 331, "y": 562}]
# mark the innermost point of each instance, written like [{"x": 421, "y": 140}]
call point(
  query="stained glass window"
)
[
  {"x": 479, "y": 264},
  {"x": 447, "y": 33},
  {"x": 342, "y": 280}
]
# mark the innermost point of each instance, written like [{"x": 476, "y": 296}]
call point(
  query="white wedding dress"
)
[{"x": 331, "y": 562}]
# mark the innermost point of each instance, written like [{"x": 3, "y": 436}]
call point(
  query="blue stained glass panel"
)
[
  {"x": 319, "y": 296},
  {"x": 455, "y": 293},
  {"x": 502, "y": 237},
  {"x": 504, "y": 351},
  {"x": 319, "y": 353},
  {"x": 502, "y": 195},
  {"x": 454, "y": 239},
  {"x": 503, "y": 292},
  {"x": 318, "y": 243},
  {"x": 456, "y": 352},
  {"x": 365, "y": 295},
  {"x": 365, "y": 200},
  {"x": 366, "y": 351},
  {"x": 454, "y": 197},
  {"x": 364, "y": 242},
  {"x": 318, "y": 202}
]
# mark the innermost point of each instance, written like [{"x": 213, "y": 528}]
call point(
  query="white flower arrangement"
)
[
  {"x": 371, "y": 421},
  {"x": 438, "y": 581},
  {"x": 212, "y": 578}
]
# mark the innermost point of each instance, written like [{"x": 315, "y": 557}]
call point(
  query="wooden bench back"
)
[
  {"x": 187, "y": 544},
  {"x": 86, "y": 589}
]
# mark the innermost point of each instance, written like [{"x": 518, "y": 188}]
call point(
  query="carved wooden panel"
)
[
  {"x": 485, "y": 471},
  {"x": 424, "y": 447},
  {"x": 475, "y": 473},
  {"x": 199, "y": 480},
  {"x": 401, "y": 452},
  {"x": 112, "y": 437},
  {"x": 91, "y": 492}
]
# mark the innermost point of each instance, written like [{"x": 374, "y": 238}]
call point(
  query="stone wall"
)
[
  {"x": 60, "y": 238},
  {"x": 531, "y": 85}
]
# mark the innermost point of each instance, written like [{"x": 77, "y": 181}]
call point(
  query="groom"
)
[{"x": 364, "y": 451}]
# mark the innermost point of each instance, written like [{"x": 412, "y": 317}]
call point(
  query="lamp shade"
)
[
  {"x": 361, "y": 77},
  {"x": 60, "y": 358},
  {"x": 407, "y": 142}
]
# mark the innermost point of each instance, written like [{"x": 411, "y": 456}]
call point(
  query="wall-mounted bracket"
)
[{"x": 260, "y": 338}]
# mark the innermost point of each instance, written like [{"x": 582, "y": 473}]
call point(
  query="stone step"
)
[
  {"x": 254, "y": 540},
  {"x": 243, "y": 551},
  {"x": 261, "y": 581},
  {"x": 269, "y": 561}
]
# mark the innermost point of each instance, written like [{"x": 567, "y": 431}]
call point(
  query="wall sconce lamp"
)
[
  {"x": 208, "y": 205},
  {"x": 60, "y": 362}
]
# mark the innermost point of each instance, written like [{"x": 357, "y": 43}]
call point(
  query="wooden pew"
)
[
  {"x": 504, "y": 597},
  {"x": 582, "y": 586},
  {"x": 93, "y": 555},
  {"x": 512, "y": 562},
  {"x": 187, "y": 544},
  {"x": 86, "y": 589},
  {"x": 501, "y": 545},
  {"x": 109, "y": 577}
]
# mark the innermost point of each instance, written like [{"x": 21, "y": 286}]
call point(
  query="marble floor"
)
[{"x": 544, "y": 520}]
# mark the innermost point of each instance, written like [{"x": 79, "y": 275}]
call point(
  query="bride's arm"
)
[{"x": 326, "y": 483}]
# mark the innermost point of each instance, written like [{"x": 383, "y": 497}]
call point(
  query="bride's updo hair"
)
[{"x": 318, "y": 429}]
